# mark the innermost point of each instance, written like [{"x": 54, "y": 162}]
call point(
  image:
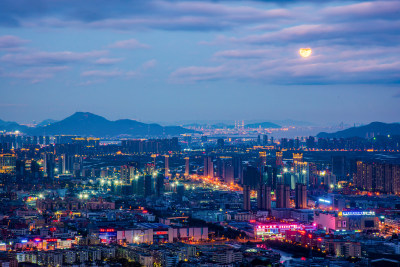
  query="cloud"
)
[
  {"x": 109, "y": 73},
  {"x": 149, "y": 64},
  {"x": 134, "y": 15},
  {"x": 108, "y": 61},
  {"x": 244, "y": 54},
  {"x": 333, "y": 65},
  {"x": 49, "y": 58},
  {"x": 35, "y": 74},
  {"x": 366, "y": 10},
  {"x": 129, "y": 44},
  {"x": 383, "y": 32},
  {"x": 9, "y": 42},
  {"x": 200, "y": 73}
]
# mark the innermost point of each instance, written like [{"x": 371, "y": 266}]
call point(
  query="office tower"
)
[
  {"x": 166, "y": 158},
  {"x": 48, "y": 165},
  {"x": 63, "y": 160},
  {"x": 258, "y": 140},
  {"x": 279, "y": 158},
  {"x": 338, "y": 166},
  {"x": 264, "y": 197},
  {"x": 251, "y": 176},
  {"x": 267, "y": 197},
  {"x": 148, "y": 188},
  {"x": 237, "y": 169},
  {"x": 265, "y": 140},
  {"x": 270, "y": 173},
  {"x": 283, "y": 196},
  {"x": 220, "y": 142},
  {"x": 180, "y": 191},
  {"x": 205, "y": 170},
  {"x": 310, "y": 142},
  {"x": 246, "y": 197},
  {"x": 187, "y": 167},
  {"x": 297, "y": 143},
  {"x": 297, "y": 157},
  {"x": 301, "y": 196},
  {"x": 208, "y": 167},
  {"x": 227, "y": 170},
  {"x": 154, "y": 157},
  {"x": 263, "y": 158},
  {"x": 7, "y": 163},
  {"x": 159, "y": 185},
  {"x": 284, "y": 143}
]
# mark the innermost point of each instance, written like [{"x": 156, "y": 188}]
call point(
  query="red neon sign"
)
[{"x": 161, "y": 233}]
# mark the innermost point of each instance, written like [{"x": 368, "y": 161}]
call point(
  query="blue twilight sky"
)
[{"x": 170, "y": 61}]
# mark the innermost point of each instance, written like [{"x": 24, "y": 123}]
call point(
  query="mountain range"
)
[
  {"x": 372, "y": 129},
  {"x": 89, "y": 124}
]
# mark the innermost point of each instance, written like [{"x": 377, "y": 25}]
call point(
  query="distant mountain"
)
[
  {"x": 372, "y": 129},
  {"x": 46, "y": 122},
  {"x": 263, "y": 125},
  {"x": 10, "y": 126},
  {"x": 88, "y": 124}
]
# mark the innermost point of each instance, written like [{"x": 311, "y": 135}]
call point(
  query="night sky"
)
[{"x": 170, "y": 61}]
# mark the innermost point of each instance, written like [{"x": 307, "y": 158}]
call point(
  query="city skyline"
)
[{"x": 168, "y": 61}]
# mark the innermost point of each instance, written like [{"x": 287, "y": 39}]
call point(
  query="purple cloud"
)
[
  {"x": 8, "y": 42},
  {"x": 129, "y": 44},
  {"x": 108, "y": 61},
  {"x": 49, "y": 58},
  {"x": 35, "y": 74},
  {"x": 108, "y": 73}
]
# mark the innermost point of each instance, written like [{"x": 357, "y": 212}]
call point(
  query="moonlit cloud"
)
[{"x": 180, "y": 54}]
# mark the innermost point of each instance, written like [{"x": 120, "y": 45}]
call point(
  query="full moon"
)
[{"x": 305, "y": 52}]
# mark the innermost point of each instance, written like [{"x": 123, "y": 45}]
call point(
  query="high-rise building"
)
[
  {"x": 338, "y": 166},
  {"x": 246, "y": 197},
  {"x": 7, "y": 163},
  {"x": 283, "y": 196},
  {"x": 166, "y": 157},
  {"x": 265, "y": 140},
  {"x": 220, "y": 142},
  {"x": 187, "y": 167},
  {"x": 49, "y": 165},
  {"x": 279, "y": 158},
  {"x": 208, "y": 167},
  {"x": 264, "y": 197},
  {"x": 263, "y": 158},
  {"x": 159, "y": 185},
  {"x": 251, "y": 176},
  {"x": 225, "y": 169},
  {"x": 301, "y": 196}
]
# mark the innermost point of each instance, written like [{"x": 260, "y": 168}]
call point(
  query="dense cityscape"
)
[
  {"x": 199, "y": 200},
  {"x": 199, "y": 133}
]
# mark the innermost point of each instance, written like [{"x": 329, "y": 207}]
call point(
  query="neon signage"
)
[
  {"x": 357, "y": 213},
  {"x": 278, "y": 226},
  {"x": 107, "y": 230},
  {"x": 324, "y": 201}
]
